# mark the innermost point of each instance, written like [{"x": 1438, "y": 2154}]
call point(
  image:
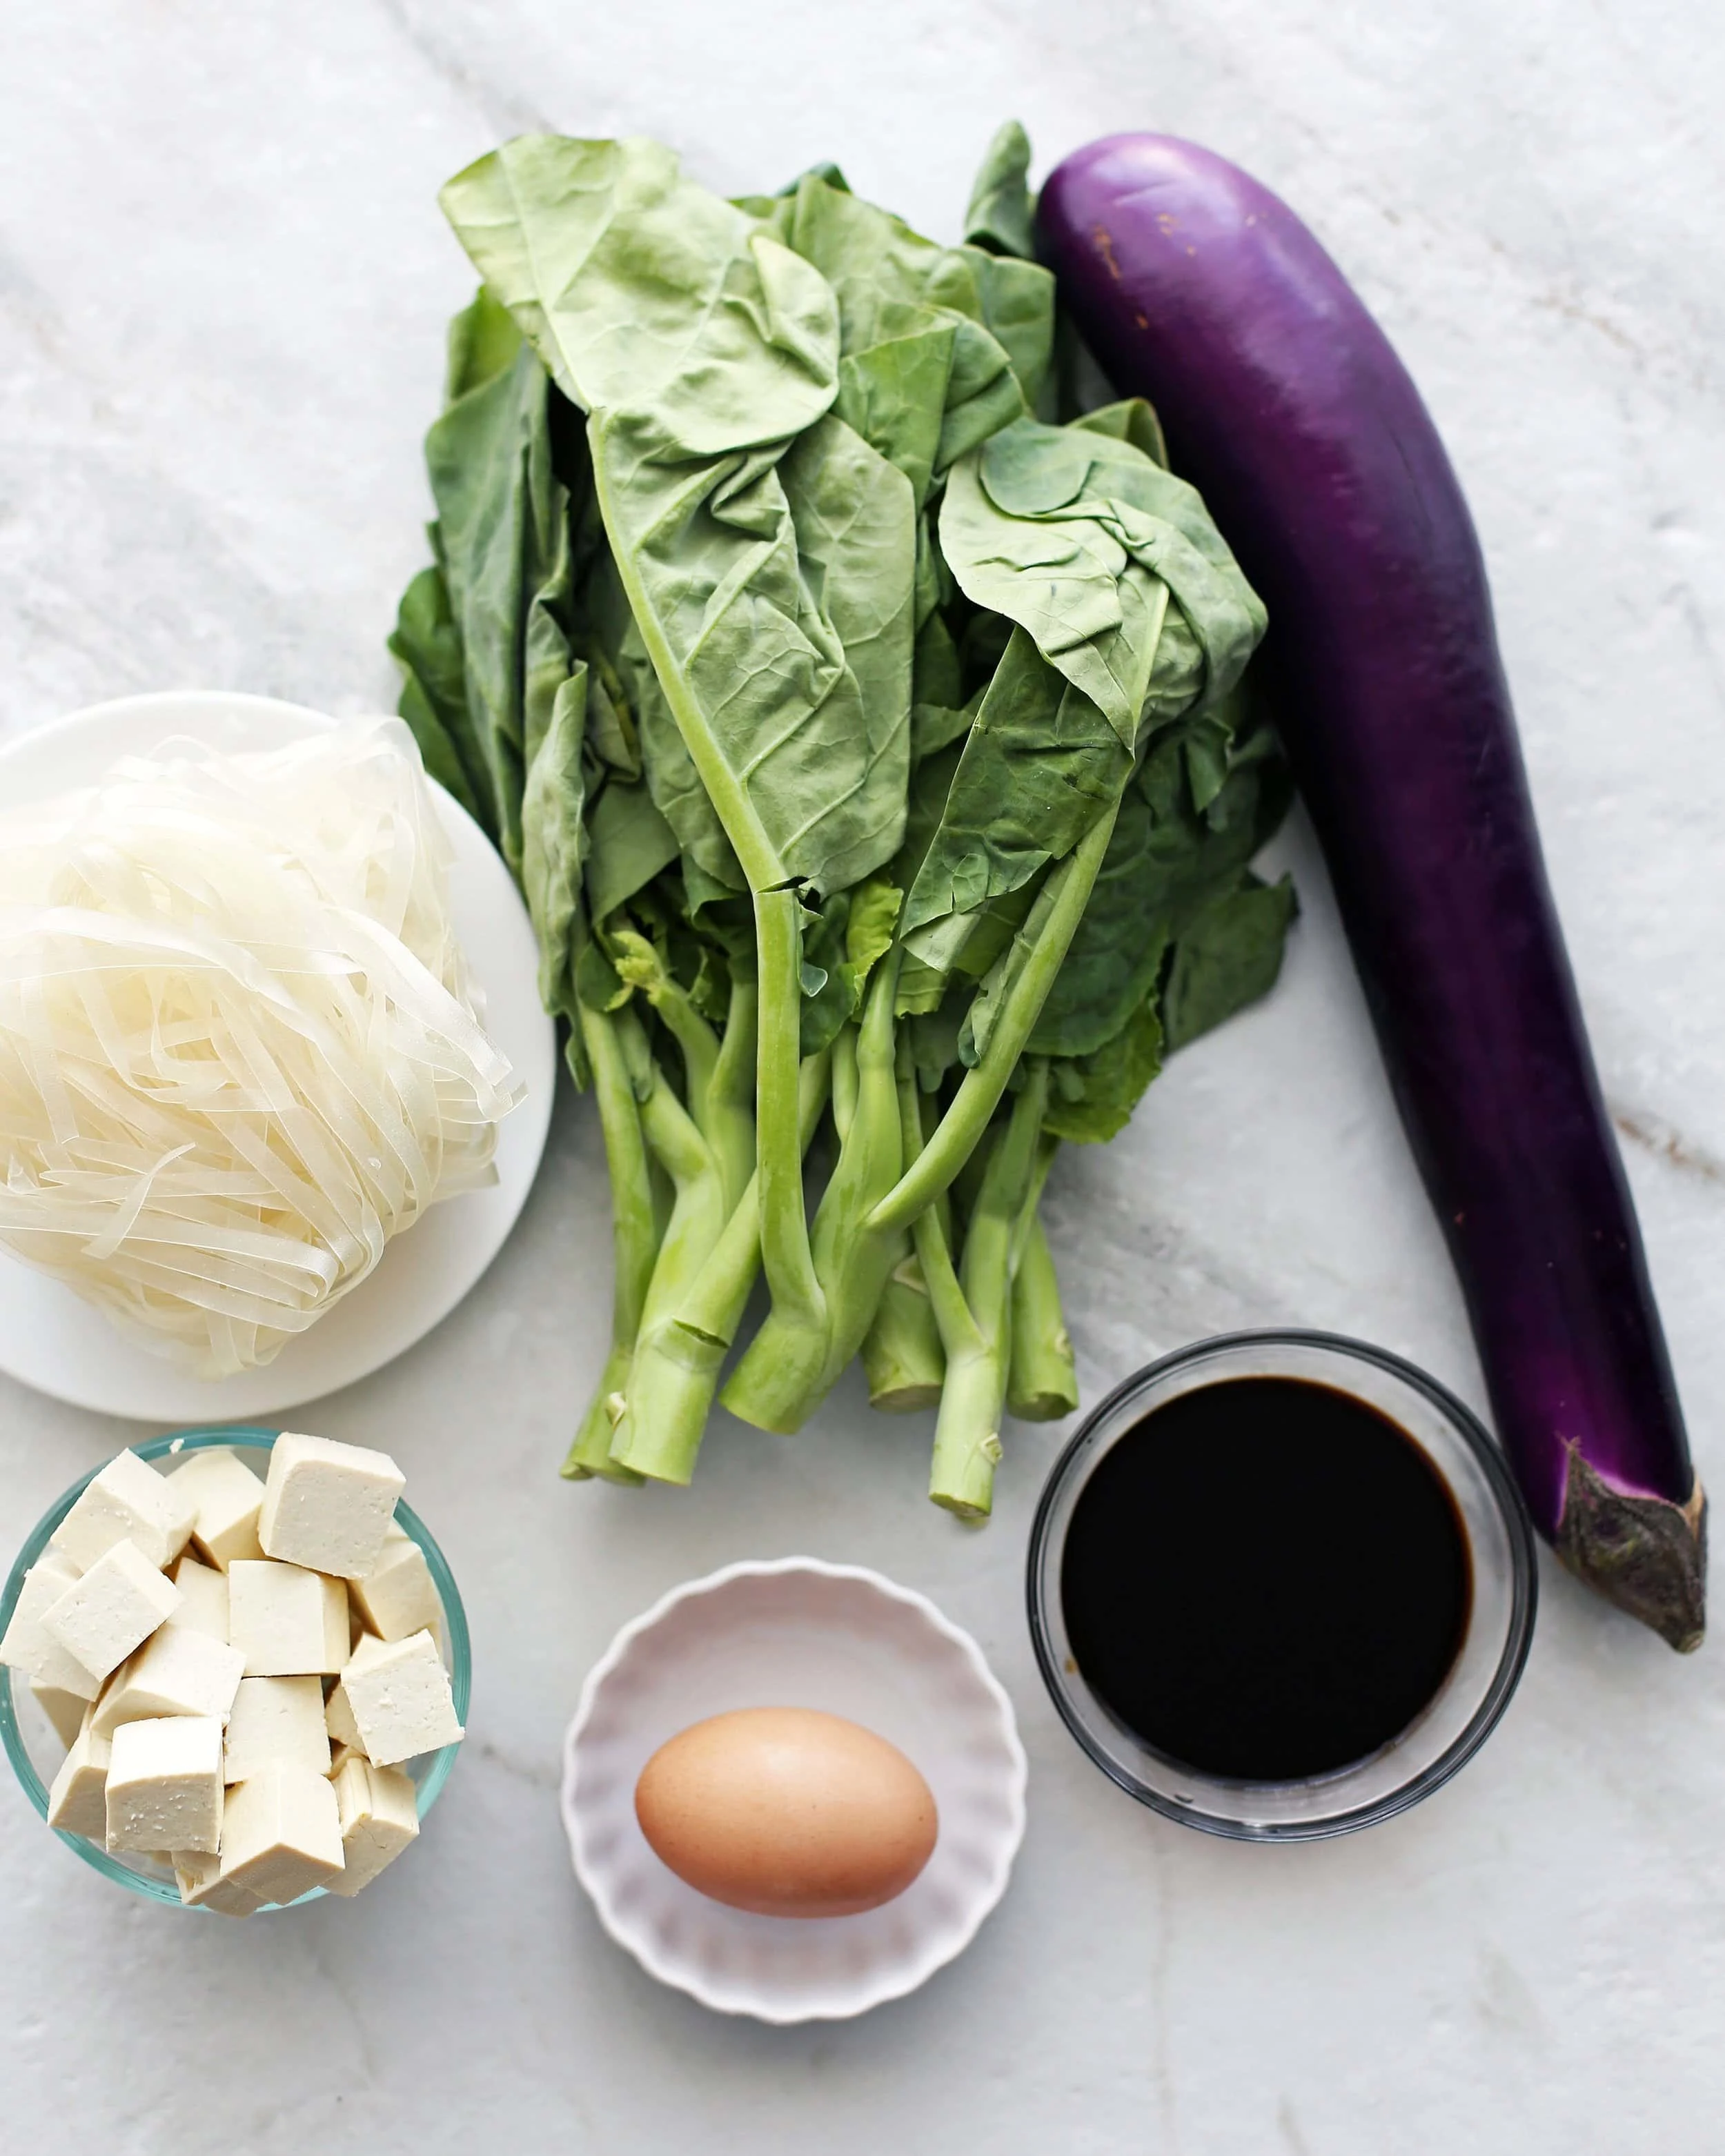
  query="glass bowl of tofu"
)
[{"x": 233, "y": 1669}]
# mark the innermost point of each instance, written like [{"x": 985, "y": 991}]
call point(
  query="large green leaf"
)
[
  {"x": 942, "y": 345},
  {"x": 1114, "y": 962},
  {"x": 1085, "y": 542},
  {"x": 643, "y": 293},
  {"x": 627, "y": 844},
  {"x": 1179, "y": 848},
  {"x": 1228, "y": 954},
  {"x": 700, "y": 348},
  {"x": 1039, "y": 764},
  {"x": 1002, "y": 211},
  {"x": 502, "y": 534},
  {"x": 483, "y": 342},
  {"x": 427, "y": 644},
  {"x": 1091, "y": 1098},
  {"x": 805, "y": 761}
]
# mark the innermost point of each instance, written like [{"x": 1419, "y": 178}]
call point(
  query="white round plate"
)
[
  {"x": 52, "y": 1340},
  {"x": 796, "y": 1633}
]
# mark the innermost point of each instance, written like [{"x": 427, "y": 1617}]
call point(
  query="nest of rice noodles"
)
[{"x": 239, "y": 1050}]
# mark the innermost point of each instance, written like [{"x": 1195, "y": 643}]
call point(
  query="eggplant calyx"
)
[{"x": 1645, "y": 1553}]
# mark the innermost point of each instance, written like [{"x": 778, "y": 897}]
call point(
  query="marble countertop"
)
[{"x": 223, "y": 281}]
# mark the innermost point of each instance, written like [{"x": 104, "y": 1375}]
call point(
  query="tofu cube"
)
[
  {"x": 175, "y": 1671},
  {"x": 111, "y": 1608},
  {"x": 399, "y": 1692},
  {"x": 65, "y": 1710},
  {"x": 398, "y": 1595},
  {"x": 338, "y": 1719},
  {"x": 276, "y": 1721},
  {"x": 128, "y": 1501},
  {"x": 204, "y": 1592},
  {"x": 288, "y": 1622},
  {"x": 327, "y": 1506},
  {"x": 282, "y": 1834},
  {"x": 199, "y": 1879},
  {"x": 225, "y": 1498},
  {"x": 339, "y": 1754},
  {"x": 28, "y": 1645},
  {"x": 379, "y": 1811},
  {"x": 165, "y": 1784},
  {"x": 78, "y": 1797}
]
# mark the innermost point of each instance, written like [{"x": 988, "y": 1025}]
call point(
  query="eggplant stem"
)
[{"x": 1645, "y": 1553}]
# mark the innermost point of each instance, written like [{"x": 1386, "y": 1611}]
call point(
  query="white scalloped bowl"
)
[{"x": 796, "y": 1632}]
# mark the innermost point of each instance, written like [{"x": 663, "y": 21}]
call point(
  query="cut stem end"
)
[{"x": 1645, "y": 1553}]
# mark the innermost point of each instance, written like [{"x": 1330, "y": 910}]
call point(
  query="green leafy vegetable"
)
[
  {"x": 1002, "y": 211},
  {"x": 872, "y": 755}
]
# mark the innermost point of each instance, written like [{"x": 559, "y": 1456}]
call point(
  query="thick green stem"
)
[
  {"x": 903, "y": 1357},
  {"x": 730, "y": 1127},
  {"x": 1067, "y": 893},
  {"x": 791, "y": 1364},
  {"x": 843, "y": 1082},
  {"x": 677, "y": 1363},
  {"x": 695, "y": 1037},
  {"x": 698, "y": 1211},
  {"x": 785, "y": 1250},
  {"x": 696, "y": 1224},
  {"x": 714, "y": 1305},
  {"x": 634, "y": 1242},
  {"x": 967, "y": 1438},
  {"x": 1042, "y": 1384},
  {"x": 719, "y": 1074}
]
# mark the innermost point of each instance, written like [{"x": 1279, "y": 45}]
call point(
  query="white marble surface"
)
[{"x": 223, "y": 284}]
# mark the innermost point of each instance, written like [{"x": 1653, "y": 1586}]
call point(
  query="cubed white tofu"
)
[
  {"x": 398, "y": 1690},
  {"x": 339, "y": 1754},
  {"x": 327, "y": 1506},
  {"x": 277, "y": 1721},
  {"x": 282, "y": 1834},
  {"x": 165, "y": 1784},
  {"x": 111, "y": 1609},
  {"x": 338, "y": 1719},
  {"x": 380, "y": 1815},
  {"x": 288, "y": 1622},
  {"x": 204, "y": 1597},
  {"x": 127, "y": 1502},
  {"x": 78, "y": 1796},
  {"x": 65, "y": 1710},
  {"x": 225, "y": 1497},
  {"x": 398, "y": 1595},
  {"x": 199, "y": 1876},
  {"x": 28, "y": 1645},
  {"x": 175, "y": 1671}
]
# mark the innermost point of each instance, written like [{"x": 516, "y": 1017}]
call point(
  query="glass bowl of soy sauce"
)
[{"x": 1281, "y": 1585}]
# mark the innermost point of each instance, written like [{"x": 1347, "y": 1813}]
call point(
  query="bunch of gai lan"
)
[{"x": 858, "y": 698}]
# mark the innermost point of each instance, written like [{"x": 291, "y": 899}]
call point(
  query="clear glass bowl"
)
[
  {"x": 35, "y": 1751},
  {"x": 1455, "y": 1723}
]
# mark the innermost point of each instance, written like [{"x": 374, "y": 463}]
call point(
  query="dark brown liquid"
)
[{"x": 1266, "y": 1579}]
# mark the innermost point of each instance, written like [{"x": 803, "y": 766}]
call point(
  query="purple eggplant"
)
[{"x": 1284, "y": 403}]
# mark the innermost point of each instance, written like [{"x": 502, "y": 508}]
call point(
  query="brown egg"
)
[{"x": 788, "y": 1812}]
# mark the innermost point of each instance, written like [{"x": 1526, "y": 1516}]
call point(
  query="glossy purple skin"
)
[{"x": 1285, "y": 404}]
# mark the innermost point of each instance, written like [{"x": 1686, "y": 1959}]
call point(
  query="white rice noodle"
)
[{"x": 238, "y": 1049}]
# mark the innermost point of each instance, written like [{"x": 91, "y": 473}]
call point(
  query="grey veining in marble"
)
[{"x": 222, "y": 286}]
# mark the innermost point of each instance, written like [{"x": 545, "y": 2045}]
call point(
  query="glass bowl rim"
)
[
  {"x": 255, "y": 1437},
  {"x": 1523, "y": 1585}
]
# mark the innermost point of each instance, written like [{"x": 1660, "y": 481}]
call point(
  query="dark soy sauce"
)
[{"x": 1265, "y": 1579}]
